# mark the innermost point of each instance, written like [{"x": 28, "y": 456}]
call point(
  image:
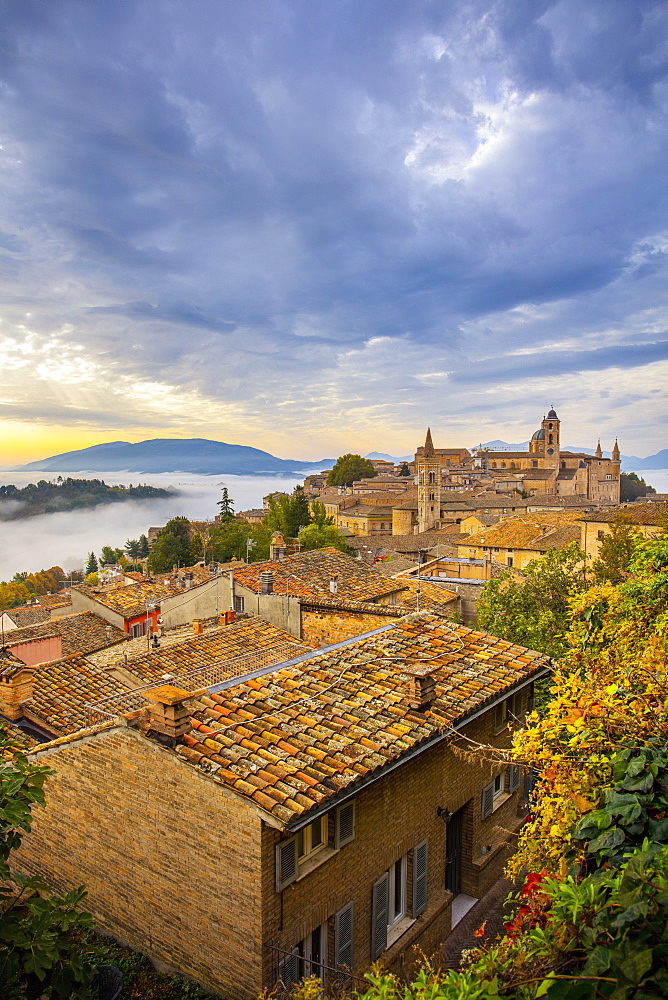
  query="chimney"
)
[
  {"x": 266, "y": 582},
  {"x": 333, "y": 584},
  {"x": 421, "y": 687},
  {"x": 230, "y": 616},
  {"x": 15, "y": 685},
  {"x": 277, "y": 547},
  {"x": 188, "y": 580},
  {"x": 198, "y": 626},
  {"x": 167, "y": 711},
  {"x": 175, "y": 570},
  {"x": 222, "y": 618}
]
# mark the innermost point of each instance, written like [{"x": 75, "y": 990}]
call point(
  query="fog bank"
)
[{"x": 65, "y": 539}]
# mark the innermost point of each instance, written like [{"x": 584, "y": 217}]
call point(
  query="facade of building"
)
[
  {"x": 544, "y": 469},
  {"x": 317, "y": 813}
]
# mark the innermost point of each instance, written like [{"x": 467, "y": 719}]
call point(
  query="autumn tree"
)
[
  {"x": 534, "y": 610},
  {"x": 349, "y": 468},
  {"x": 616, "y": 549}
]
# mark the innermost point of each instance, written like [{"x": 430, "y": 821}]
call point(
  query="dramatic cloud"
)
[{"x": 340, "y": 221}]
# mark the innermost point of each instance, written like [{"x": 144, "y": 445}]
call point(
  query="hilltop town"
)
[{"x": 288, "y": 726}]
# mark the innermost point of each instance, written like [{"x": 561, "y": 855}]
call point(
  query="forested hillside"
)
[{"x": 68, "y": 494}]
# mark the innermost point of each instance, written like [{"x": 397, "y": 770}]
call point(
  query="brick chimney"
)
[
  {"x": 168, "y": 714},
  {"x": 198, "y": 626},
  {"x": 421, "y": 686},
  {"x": 15, "y": 685},
  {"x": 277, "y": 547}
]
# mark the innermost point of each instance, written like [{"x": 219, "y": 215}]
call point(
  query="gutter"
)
[{"x": 339, "y": 799}]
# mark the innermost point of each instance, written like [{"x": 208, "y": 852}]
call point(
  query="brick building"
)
[{"x": 326, "y": 811}]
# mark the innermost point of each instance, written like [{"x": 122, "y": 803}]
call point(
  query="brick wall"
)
[
  {"x": 324, "y": 627},
  {"x": 169, "y": 858},
  {"x": 392, "y": 816}
]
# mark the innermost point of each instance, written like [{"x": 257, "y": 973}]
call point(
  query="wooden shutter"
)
[
  {"x": 487, "y": 800},
  {"x": 420, "y": 878},
  {"x": 289, "y": 968},
  {"x": 379, "y": 916},
  {"x": 286, "y": 863},
  {"x": 345, "y": 825},
  {"x": 343, "y": 937},
  {"x": 514, "y": 777}
]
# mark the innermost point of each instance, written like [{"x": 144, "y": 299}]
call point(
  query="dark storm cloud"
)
[{"x": 308, "y": 176}]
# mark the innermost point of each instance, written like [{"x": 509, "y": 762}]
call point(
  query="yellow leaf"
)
[{"x": 582, "y": 804}]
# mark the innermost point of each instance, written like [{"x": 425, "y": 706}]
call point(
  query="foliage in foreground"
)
[{"x": 592, "y": 917}]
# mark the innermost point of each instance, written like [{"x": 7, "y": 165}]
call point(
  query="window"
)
[
  {"x": 500, "y": 716},
  {"x": 306, "y": 958},
  {"x": 492, "y": 796},
  {"x": 509, "y": 561},
  {"x": 136, "y": 630},
  {"x": 534, "y": 464},
  {"x": 239, "y": 605},
  {"x": 343, "y": 937},
  {"x": 298, "y": 855},
  {"x": 432, "y": 478},
  {"x": 389, "y": 898},
  {"x": 600, "y": 535},
  {"x": 432, "y": 496},
  {"x": 514, "y": 772},
  {"x": 311, "y": 838}
]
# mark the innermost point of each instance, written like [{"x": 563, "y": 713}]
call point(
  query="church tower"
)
[
  {"x": 550, "y": 426},
  {"x": 429, "y": 486}
]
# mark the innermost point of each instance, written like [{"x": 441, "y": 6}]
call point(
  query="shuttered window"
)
[
  {"x": 345, "y": 825},
  {"x": 343, "y": 938},
  {"x": 289, "y": 968},
  {"x": 380, "y": 899},
  {"x": 419, "y": 878},
  {"x": 286, "y": 863},
  {"x": 514, "y": 777},
  {"x": 487, "y": 800}
]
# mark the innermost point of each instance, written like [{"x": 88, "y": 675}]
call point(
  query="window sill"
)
[
  {"x": 310, "y": 864},
  {"x": 401, "y": 926}
]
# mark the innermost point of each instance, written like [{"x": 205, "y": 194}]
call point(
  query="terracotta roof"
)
[
  {"x": 62, "y": 688},
  {"x": 245, "y": 637},
  {"x": 526, "y": 532},
  {"x": 293, "y": 739},
  {"x": 81, "y": 634},
  {"x": 308, "y": 574},
  {"x": 59, "y": 600},
  {"x": 433, "y": 596},
  {"x": 644, "y": 512},
  {"x": 130, "y": 601},
  {"x": 28, "y": 616},
  {"x": 23, "y": 740}
]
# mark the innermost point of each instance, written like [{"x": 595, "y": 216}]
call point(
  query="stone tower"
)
[{"x": 429, "y": 486}]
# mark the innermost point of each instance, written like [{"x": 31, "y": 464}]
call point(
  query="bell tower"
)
[
  {"x": 551, "y": 426},
  {"x": 429, "y": 486}
]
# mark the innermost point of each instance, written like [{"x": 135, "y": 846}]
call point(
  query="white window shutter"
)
[
  {"x": 288, "y": 969},
  {"x": 514, "y": 777},
  {"x": 379, "y": 916},
  {"x": 345, "y": 825},
  {"x": 343, "y": 938},
  {"x": 420, "y": 878},
  {"x": 487, "y": 800},
  {"x": 286, "y": 863}
]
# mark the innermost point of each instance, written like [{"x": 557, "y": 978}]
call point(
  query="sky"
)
[{"x": 320, "y": 227}]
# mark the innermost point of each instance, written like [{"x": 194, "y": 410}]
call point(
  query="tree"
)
[
  {"x": 39, "y": 931},
  {"x": 143, "y": 547},
  {"x": 226, "y": 505},
  {"x": 316, "y": 537},
  {"x": 319, "y": 514},
  {"x": 534, "y": 611},
  {"x": 349, "y": 468},
  {"x": 132, "y": 547},
  {"x": 616, "y": 549},
  {"x": 288, "y": 514},
  {"x": 172, "y": 547},
  {"x": 91, "y": 565},
  {"x": 632, "y": 486},
  {"x": 228, "y": 540},
  {"x": 109, "y": 555},
  {"x": 300, "y": 510},
  {"x": 404, "y": 470}
]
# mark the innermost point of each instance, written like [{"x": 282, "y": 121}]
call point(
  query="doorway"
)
[{"x": 453, "y": 852}]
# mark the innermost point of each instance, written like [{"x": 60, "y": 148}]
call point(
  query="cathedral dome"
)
[
  {"x": 551, "y": 415},
  {"x": 539, "y": 435}
]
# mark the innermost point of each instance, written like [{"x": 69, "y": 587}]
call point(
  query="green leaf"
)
[
  {"x": 637, "y": 965},
  {"x": 598, "y": 961},
  {"x": 608, "y": 840}
]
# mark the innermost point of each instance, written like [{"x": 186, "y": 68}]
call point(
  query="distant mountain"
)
[
  {"x": 380, "y": 456},
  {"x": 196, "y": 455}
]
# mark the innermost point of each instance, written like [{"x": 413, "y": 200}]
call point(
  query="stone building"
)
[{"x": 310, "y": 815}]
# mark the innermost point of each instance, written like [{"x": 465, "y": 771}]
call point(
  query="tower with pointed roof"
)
[{"x": 428, "y": 469}]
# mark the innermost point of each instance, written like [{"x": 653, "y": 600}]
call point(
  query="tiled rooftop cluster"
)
[
  {"x": 530, "y": 531},
  {"x": 62, "y": 688},
  {"x": 130, "y": 601},
  {"x": 82, "y": 633},
  {"x": 141, "y": 644},
  {"x": 24, "y": 617},
  {"x": 295, "y": 737},
  {"x": 646, "y": 512},
  {"x": 308, "y": 574}
]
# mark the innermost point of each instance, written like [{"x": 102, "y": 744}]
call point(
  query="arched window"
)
[{"x": 432, "y": 478}]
